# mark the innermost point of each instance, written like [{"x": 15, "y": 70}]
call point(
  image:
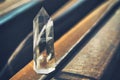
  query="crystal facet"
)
[{"x": 43, "y": 45}]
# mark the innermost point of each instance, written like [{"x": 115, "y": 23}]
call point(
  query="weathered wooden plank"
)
[
  {"x": 91, "y": 62},
  {"x": 66, "y": 42}
]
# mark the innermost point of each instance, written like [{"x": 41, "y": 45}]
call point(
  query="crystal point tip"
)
[{"x": 43, "y": 12}]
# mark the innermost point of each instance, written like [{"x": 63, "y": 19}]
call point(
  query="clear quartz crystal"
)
[{"x": 43, "y": 45}]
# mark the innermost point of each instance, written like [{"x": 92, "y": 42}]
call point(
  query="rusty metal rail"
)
[{"x": 68, "y": 42}]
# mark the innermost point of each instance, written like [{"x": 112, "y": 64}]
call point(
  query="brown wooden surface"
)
[
  {"x": 91, "y": 62},
  {"x": 66, "y": 42}
]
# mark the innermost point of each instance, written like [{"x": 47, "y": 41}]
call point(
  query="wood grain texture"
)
[
  {"x": 67, "y": 41},
  {"x": 93, "y": 59}
]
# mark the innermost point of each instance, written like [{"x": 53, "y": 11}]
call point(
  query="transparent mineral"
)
[{"x": 43, "y": 43}]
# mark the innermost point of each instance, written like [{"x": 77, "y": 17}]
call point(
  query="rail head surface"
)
[{"x": 67, "y": 41}]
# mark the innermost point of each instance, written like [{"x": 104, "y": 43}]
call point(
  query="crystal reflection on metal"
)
[{"x": 43, "y": 45}]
